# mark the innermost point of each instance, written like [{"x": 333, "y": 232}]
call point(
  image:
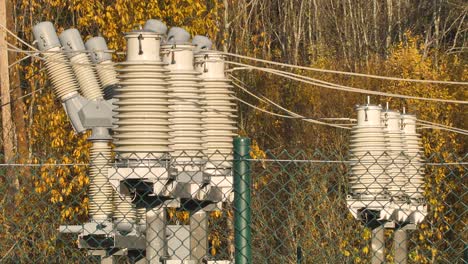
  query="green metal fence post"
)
[{"x": 242, "y": 210}]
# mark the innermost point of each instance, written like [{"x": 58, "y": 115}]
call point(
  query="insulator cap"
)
[
  {"x": 210, "y": 64},
  {"x": 45, "y": 35},
  {"x": 71, "y": 41},
  {"x": 98, "y": 44},
  {"x": 156, "y": 26},
  {"x": 201, "y": 43},
  {"x": 143, "y": 46},
  {"x": 178, "y": 35}
]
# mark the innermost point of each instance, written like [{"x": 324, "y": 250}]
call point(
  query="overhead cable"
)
[
  {"x": 343, "y": 72},
  {"x": 334, "y": 86}
]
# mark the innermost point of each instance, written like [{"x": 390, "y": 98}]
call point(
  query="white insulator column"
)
[
  {"x": 57, "y": 64},
  {"x": 414, "y": 169},
  {"x": 186, "y": 110},
  {"x": 368, "y": 179},
  {"x": 124, "y": 212},
  {"x": 143, "y": 107},
  {"x": 81, "y": 64},
  {"x": 104, "y": 65},
  {"x": 395, "y": 150},
  {"x": 141, "y": 217},
  {"x": 219, "y": 116},
  {"x": 100, "y": 191}
]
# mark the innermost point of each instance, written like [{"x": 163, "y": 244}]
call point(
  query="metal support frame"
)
[
  {"x": 378, "y": 245},
  {"x": 242, "y": 201},
  {"x": 400, "y": 245},
  {"x": 198, "y": 236}
]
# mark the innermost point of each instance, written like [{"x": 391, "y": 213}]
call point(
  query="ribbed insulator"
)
[
  {"x": 141, "y": 216},
  {"x": 219, "y": 116},
  {"x": 142, "y": 108},
  {"x": 104, "y": 65},
  {"x": 107, "y": 76},
  {"x": 86, "y": 76},
  {"x": 60, "y": 73},
  {"x": 100, "y": 190},
  {"x": 368, "y": 177},
  {"x": 124, "y": 212},
  {"x": 414, "y": 170},
  {"x": 395, "y": 150},
  {"x": 186, "y": 110}
]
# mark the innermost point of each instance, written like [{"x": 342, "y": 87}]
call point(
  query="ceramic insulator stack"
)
[
  {"x": 368, "y": 177},
  {"x": 186, "y": 110},
  {"x": 57, "y": 64},
  {"x": 81, "y": 64},
  {"x": 219, "y": 116},
  {"x": 104, "y": 65},
  {"x": 142, "y": 130},
  {"x": 413, "y": 147},
  {"x": 395, "y": 150},
  {"x": 100, "y": 191}
]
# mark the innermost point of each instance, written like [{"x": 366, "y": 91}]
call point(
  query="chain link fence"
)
[{"x": 286, "y": 207}]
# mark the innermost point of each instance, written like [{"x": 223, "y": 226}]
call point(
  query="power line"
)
[
  {"x": 334, "y": 86},
  {"x": 58, "y": 51},
  {"x": 293, "y": 114},
  {"x": 431, "y": 124},
  {"x": 263, "y": 110},
  {"x": 16, "y": 37},
  {"x": 18, "y": 98},
  {"x": 343, "y": 72}
]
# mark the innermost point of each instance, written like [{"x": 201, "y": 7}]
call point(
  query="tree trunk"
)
[
  {"x": 17, "y": 101},
  {"x": 388, "y": 40},
  {"x": 7, "y": 126},
  {"x": 226, "y": 26}
]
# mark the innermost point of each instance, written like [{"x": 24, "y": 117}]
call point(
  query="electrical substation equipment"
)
[
  {"x": 386, "y": 176},
  {"x": 171, "y": 117}
]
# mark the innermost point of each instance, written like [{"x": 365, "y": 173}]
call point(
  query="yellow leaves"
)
[
  {"x": 256, "y": 152},
  {"x": 215, "y": 242},
  {"x": 367, "y": 234},
  {"x": 365, "y": 250},
  {"x": 216, "y": 214},
  {"x": 183, "y": 216}
]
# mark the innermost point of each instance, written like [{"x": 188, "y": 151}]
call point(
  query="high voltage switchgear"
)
[
  {"x": 172, "y": 122},
  {"x": 386, "y": 175},
  {"x": 169, "y": 110}
]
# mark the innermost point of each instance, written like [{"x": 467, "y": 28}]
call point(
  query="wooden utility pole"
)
[{"x": 7, "y": 126}]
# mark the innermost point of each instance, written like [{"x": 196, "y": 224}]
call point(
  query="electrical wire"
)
[
  {"x": 263, "y": 110},
  {"x": 438, "y": 127},
  {"x": 292, "y": 114},
  {"x": 343, "y": 72},
  {"x": 59, "y": 51},
  {"x": 35, "y": 55},
  {"x": 334, "y": 86},
  {"x": 16, "y": 37},
  {"x": 441, "y": 125},
  {"x": 18, "y": 98},
  {"x": 432, "y": 125}
]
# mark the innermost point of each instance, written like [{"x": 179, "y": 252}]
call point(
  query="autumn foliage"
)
[{"x": 57, "y": 194}]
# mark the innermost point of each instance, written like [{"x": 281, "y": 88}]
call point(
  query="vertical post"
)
[
  {"x": 156, "y": 235},
  {"x": 7, "y": 126},
  {"x": 378, "y": 245},
  {"x": 198, "y": 236},
  {"x": 400, "y": 244},
  {"x": 242, "y": 213}
]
